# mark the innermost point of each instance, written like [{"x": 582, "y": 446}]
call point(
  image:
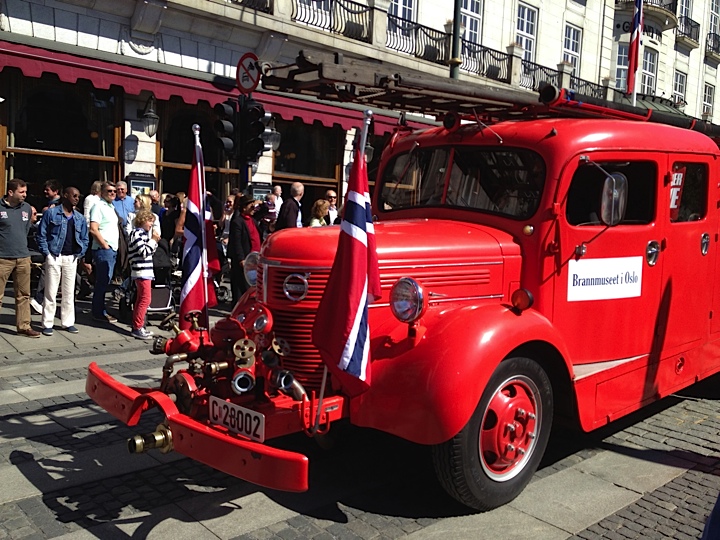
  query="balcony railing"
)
[
  {"x": 259, "y": 5},
  {"x": 420, "y": 41},
  {"x": 713, "y": 44},
  {"x": 664, "y": 4},
  {"x": 485, "y": 61},
  {"x": 587, "y": 88},
  {"x": 688, "y": 28},
  {"x": 533, "y": 75},
  {"x": 668, "y": 6},
  {"x": 343, "y": 17}
]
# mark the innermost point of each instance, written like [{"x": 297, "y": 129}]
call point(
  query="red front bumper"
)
[{"x": 254, "y": 462}]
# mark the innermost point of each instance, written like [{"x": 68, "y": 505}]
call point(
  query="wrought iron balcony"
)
[
  {"x": 688, "y": 32},
  {"x": 662, "y": 11},
  {"x": 484, "y": 61},
  {"x": 418, "y": 40},
  {"x": 343, "y": 17},
  {"x": 534, "y": 75},
  {"x": 712, "y": 47},
  {"x": 259, "y": 5},
  {"x": 587, "y": 88},
  {"x": 688, "y": 28}
]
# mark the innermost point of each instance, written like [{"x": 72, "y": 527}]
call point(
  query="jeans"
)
[
  {"x": 21, "y": 283},
  {"x": 104, "y": 265},
  {"x": 142, "y": 302},
  {"x": 59, "y": 271}
]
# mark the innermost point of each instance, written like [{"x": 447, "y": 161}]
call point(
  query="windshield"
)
[{"x": 503, "y": 181}]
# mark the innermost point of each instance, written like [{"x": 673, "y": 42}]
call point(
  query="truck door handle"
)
[
  {"x": 704, "y": 243},
  {"x": 652, "y": 252}
]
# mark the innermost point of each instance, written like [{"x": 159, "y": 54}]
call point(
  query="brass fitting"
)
[{"x": 161, "y": 439}]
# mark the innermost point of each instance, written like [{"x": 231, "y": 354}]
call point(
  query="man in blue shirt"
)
[
  {"x": 124, "y": 203},
  {"x": 63, "y": 238}
]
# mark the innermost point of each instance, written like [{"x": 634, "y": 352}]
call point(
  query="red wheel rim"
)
[{"x": 509, "y": 428}]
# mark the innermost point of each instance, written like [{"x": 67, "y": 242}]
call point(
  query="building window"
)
[
  {"x": 471, "y": 17},
  {"x": 684, "y": 8},
  {"x": 69, "y": 132},
  {"x": 708, "y": 99},
  {"x": 404, "y": 9},
  {"x": 314, "y": 13},
  {"x": 526, "y": 30},
  {"x": 649, "y": 72},
  {"x": 679, "y": 85},
  {"x": 297, "y": 157},
  {"x": 621, "y": 67},
  {"x": 714, "y": 16},
  {"x": 571, "y": 47}
]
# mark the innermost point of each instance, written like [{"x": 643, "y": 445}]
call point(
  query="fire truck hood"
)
[{"x": 413, "y": 242}]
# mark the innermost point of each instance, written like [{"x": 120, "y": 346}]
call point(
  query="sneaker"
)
[
  {"x": 36, "y": 306},
  {"x": 141, "y": 333},
  {"x": 105, "y": 317},
  {"x": 71, "y": 329},
  {"x": 47, "y": 331},
  {"x": 29, "y": 332}
]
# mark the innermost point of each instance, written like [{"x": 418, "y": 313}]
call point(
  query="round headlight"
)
[
  {"x": 407, "y": 300},
  {"x": 250, "y": 268}
]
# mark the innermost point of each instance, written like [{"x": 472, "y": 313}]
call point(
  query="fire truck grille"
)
[
  {"x": 294, "y": 319},
  {"x": 304, "y": 359}
]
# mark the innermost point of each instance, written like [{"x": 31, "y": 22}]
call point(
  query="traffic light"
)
[
  {"x": 226, "y": 126},
  {"x": 253, "y": 120}
]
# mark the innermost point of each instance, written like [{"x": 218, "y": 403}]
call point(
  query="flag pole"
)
[
  {"x": 201, "y": 187},
  {"x": 362, "y": 141},
  {"x": 367, "y": 118}
]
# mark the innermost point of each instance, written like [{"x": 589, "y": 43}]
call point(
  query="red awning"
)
[{"x": 69, "y": 68}]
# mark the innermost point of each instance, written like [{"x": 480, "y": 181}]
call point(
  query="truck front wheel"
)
[{"x": 491, "y": 460}]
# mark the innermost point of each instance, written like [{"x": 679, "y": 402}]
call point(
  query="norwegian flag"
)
[
  {"x": 634, "y": 52},
  {"x": 341, "y": 331},
  {"x": 196, "y": 294}
]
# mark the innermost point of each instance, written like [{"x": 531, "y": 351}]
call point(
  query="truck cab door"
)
[
  {"x": 689, "y": 253},
  {"x": 608, "y": 293}
]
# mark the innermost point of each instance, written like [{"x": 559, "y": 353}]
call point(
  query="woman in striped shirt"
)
[{"x": 141, "y": 248}]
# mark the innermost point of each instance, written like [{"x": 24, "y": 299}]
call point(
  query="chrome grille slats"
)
[
  {"x": 316, "y": 286},
  {"x": 304, "y": 360}
]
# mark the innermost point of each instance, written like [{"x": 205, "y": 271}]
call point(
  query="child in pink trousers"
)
[{"x": 141, "y": 247}]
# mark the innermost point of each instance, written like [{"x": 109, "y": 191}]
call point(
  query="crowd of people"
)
[{"x": 78, "y": 246}]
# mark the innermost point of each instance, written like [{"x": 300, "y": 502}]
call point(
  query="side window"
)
[
  {"x": 688, "y": 192},
  {"x": 583, "y": 199}
]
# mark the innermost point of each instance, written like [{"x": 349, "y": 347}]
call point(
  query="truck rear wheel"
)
[{"x": 491, "y": 460}]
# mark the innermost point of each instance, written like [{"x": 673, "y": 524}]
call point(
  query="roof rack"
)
[{"x": 332, "y": 77}]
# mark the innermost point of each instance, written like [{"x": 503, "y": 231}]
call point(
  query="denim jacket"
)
[{"x": 53, "y": 228}]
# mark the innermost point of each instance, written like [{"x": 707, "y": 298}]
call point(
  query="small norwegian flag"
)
[{"x": 196, "y": 293}]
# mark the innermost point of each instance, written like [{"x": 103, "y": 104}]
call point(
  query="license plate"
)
[{"x": 237, "y": 419}]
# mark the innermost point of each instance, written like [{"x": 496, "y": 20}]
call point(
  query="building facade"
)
[{"x": 77, "y": 76}]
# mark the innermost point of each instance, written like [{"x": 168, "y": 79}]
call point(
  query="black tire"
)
[{"x": 471, "y": 466}]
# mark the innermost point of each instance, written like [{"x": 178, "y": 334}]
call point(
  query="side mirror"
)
[{"x": 614, "y": 199}]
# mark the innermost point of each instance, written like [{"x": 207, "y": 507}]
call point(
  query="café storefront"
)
[{"x": 78, "y": 119}]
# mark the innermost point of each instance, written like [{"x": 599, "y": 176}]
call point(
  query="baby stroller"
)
[{"x": 163, "y": 297}]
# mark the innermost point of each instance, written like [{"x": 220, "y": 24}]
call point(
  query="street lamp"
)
[{"x": 149, "y": 117}]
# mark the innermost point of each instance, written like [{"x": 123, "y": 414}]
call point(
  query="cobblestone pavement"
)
[{"x": 65, "y": 471}]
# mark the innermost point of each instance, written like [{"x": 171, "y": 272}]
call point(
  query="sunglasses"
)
[
  {"x": 109, "y": 191},
  {"x": 332, "y": 197}
]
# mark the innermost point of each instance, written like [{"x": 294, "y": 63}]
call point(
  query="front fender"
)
[{"x": 427, "y": 391}]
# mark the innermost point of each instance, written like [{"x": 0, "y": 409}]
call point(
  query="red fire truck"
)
[{"x": 540, "y": 261}]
